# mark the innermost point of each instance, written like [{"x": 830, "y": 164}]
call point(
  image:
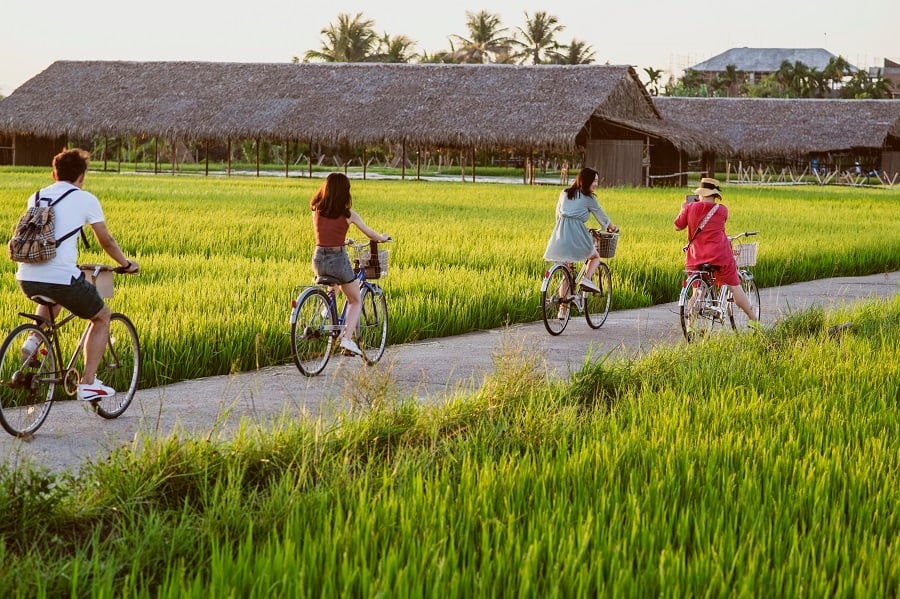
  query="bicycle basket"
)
[
  {"x": 103, "y": 282},
  {"x": 605, "y": 242},
  {"x": 745, "y": 254},
  {"x": 377, "y": 268}
]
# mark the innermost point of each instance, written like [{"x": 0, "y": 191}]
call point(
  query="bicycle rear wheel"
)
[
  {"x": 371, "y": 332},
  {"x": 27, "y": 382},
  {"x": 738, "y": 317},
  {"x": 312, "y": 331},
  {"x": 698, "y": 305},
  {"x": 596, "y": 305},
  {"x": 120, "y": 366},
  {"x": 556, "y": 293}
]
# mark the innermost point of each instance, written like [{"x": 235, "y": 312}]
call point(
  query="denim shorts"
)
[
  {"x": 333, "y": 262},
  {"x": 80, "y": 297}
]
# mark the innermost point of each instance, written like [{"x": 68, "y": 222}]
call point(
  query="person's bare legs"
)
[
  {"x": 354, "y": 308},
  {"x": 592, "y": 263},
  {"x": 97, "y": 337},
  {"x": 742, "y": 301}
]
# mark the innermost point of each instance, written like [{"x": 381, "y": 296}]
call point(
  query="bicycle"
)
[
  {"x": 561, "y": 291},
  {"x": 704, "y": 308},
  {"x": 28, "y": 380},
  {"x": 316, "y": 324}
]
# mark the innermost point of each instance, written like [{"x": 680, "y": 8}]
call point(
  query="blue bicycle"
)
[{"x": 316, "y": 324}]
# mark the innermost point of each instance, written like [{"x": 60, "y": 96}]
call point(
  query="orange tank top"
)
[{"x": 330, "y": 232}]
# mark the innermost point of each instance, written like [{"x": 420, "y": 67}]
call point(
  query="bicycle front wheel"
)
[
  {"x": 27, "y": 380},
  {"x": 120, "y": 366},
  {"x": 596, "y": 305},
  {"x": 556, "y": 298},
  {"x": 313, "y": 323},
  {"x": 739, "y": 318},
  {"x": 698, "y": 305},
  {"x": 371, "y": 332}
]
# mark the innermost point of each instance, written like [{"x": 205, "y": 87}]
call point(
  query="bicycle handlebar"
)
[
  {"x": 744, "y": 234},
  {"x": 98, "y": 268}
]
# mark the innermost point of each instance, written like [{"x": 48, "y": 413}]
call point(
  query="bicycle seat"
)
[
  {"x": 326, "y": 280},
  {"x": 707, "y": 267},
  {"x": 43, "y": 300}
]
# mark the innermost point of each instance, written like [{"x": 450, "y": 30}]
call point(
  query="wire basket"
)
[
  {"x": 745, "y": 254},
  {"x": 377, "y": 268},
  {"x": 605, "y": 242}
]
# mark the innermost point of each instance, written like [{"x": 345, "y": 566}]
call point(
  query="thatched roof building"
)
[
  {"x": 765, "y": 129},
  {"x": 459, "y": 106}
]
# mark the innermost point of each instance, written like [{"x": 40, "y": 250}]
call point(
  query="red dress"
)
[{"x": 711, "y": 246}]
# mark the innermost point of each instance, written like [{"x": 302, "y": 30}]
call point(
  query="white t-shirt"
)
[{"x": 77, "y": 209}]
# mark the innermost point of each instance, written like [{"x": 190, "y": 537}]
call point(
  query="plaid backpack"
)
[{"x": 34, "y": 239}]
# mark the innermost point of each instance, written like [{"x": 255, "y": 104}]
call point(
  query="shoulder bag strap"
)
[
  {"x": 59, "y": 240},
  {"x": 702, "y": 224}
]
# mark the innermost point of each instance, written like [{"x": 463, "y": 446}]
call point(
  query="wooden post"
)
[
  {"x": 257, "y": 156},
  {"x": 228, "y": 165},
  {"x": 403, "y": 163},
  {"x": 287, "y": 157},
  {"x": 364, "y": 163}
]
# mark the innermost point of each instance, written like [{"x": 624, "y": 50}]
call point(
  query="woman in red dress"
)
[{"x": 711, "y": 245}]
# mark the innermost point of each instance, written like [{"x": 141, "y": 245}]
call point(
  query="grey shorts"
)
[
  {"x": 333, "y": 262},
  {"x": 80, "y": 297}
]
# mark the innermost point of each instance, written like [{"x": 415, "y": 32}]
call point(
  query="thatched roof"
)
[
  {"x": 765, "y": 128},
  {"x": 354, "y": 103},
  {"x": 766, "y": 60}
]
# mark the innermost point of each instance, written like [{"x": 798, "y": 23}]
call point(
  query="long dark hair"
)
[
  {"x": 583, "y": 182},
  {"x": 333, "y": 198}
]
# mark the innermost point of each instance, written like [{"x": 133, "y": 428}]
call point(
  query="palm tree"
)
[
  {"x": 653, "y": 84},
  {"x": 577, "y": 52},
  {"x": 732, "y": 78},
  {"x": 350, "y": 40},
  {"x": 784, "y": 76},
  {"x": 393, "y": 49},
  {"x": 486, "y": 39},
  {"x": 836, "y": 69},
  {"x": 538, "y": 34}
]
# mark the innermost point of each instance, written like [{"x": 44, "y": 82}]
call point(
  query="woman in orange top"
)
[{"x": 332, "y": 217}]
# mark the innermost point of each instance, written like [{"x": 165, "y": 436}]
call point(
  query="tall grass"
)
[
  {"x": 746, "y": 465},
  {"x": 221, "y": 257}
]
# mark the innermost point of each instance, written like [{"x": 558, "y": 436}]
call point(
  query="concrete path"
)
[{"x": 430, "y": 370}]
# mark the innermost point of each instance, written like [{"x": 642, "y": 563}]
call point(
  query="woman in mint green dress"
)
[{"x": 570, "y": 240}]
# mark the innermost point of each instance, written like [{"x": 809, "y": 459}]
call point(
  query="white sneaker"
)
[
  {"x": 30, "y": 346},
  {"x": 589, "y": 285},
  {"x": 350, "y": 346},
  {"x": 96, "y": 390}
]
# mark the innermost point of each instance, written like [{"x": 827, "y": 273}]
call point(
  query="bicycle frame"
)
[{"x": 68, "y": 376}]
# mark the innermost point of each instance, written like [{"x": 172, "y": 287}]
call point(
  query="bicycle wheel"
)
[
  {"x": 596, "y": 305},
  {"x": 556, "y": 298},
  {"x": 120, "y": 366},
  {"x": 312, "y": 331},
  {"x": 737, "y": 316},
  {"x": 371, "y": 332},
  {"x": 698, "y": 304},
  {"x": 27, "y": 382}
]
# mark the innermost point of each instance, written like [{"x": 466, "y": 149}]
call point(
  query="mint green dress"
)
[{"x": 570, "y": 240}]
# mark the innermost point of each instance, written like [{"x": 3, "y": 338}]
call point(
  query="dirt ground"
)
[{"x": 431, "y": 371}]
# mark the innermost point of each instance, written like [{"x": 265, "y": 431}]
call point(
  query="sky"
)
[{"x": 668, "y": 36}]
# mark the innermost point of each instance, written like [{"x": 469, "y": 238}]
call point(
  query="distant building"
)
[
  {"x": 756, "y": 63},
  {"x": 890, "y": 72}
]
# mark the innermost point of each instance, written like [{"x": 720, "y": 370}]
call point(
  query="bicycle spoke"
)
[{"x": 27, "y": 380}]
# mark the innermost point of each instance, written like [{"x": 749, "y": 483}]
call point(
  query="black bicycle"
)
[{"x": 31, "y": 362}]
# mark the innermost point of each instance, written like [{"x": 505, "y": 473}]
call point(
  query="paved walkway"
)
[{"x": 430, "y": 370}]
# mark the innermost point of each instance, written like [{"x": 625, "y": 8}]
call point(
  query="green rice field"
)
[{"x": 222, "y": 257}]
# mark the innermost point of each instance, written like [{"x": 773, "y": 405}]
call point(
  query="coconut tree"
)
[
  {"x": 538, "y": 37},
  {"x": 351, "y": 39},
  {"x": 487, "y": 39},
  {"x": 397, "y": 48},
  {"x": 732, "y": 78},
  {"x": 577, "y": 52},
  {"x": 654, "y": 76},
  {"x": 836, "y": 69}
]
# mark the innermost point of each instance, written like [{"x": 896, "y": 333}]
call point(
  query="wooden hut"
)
[
  {"x": 602, "y": 111},
  {"x": 832, "y": 133}
]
